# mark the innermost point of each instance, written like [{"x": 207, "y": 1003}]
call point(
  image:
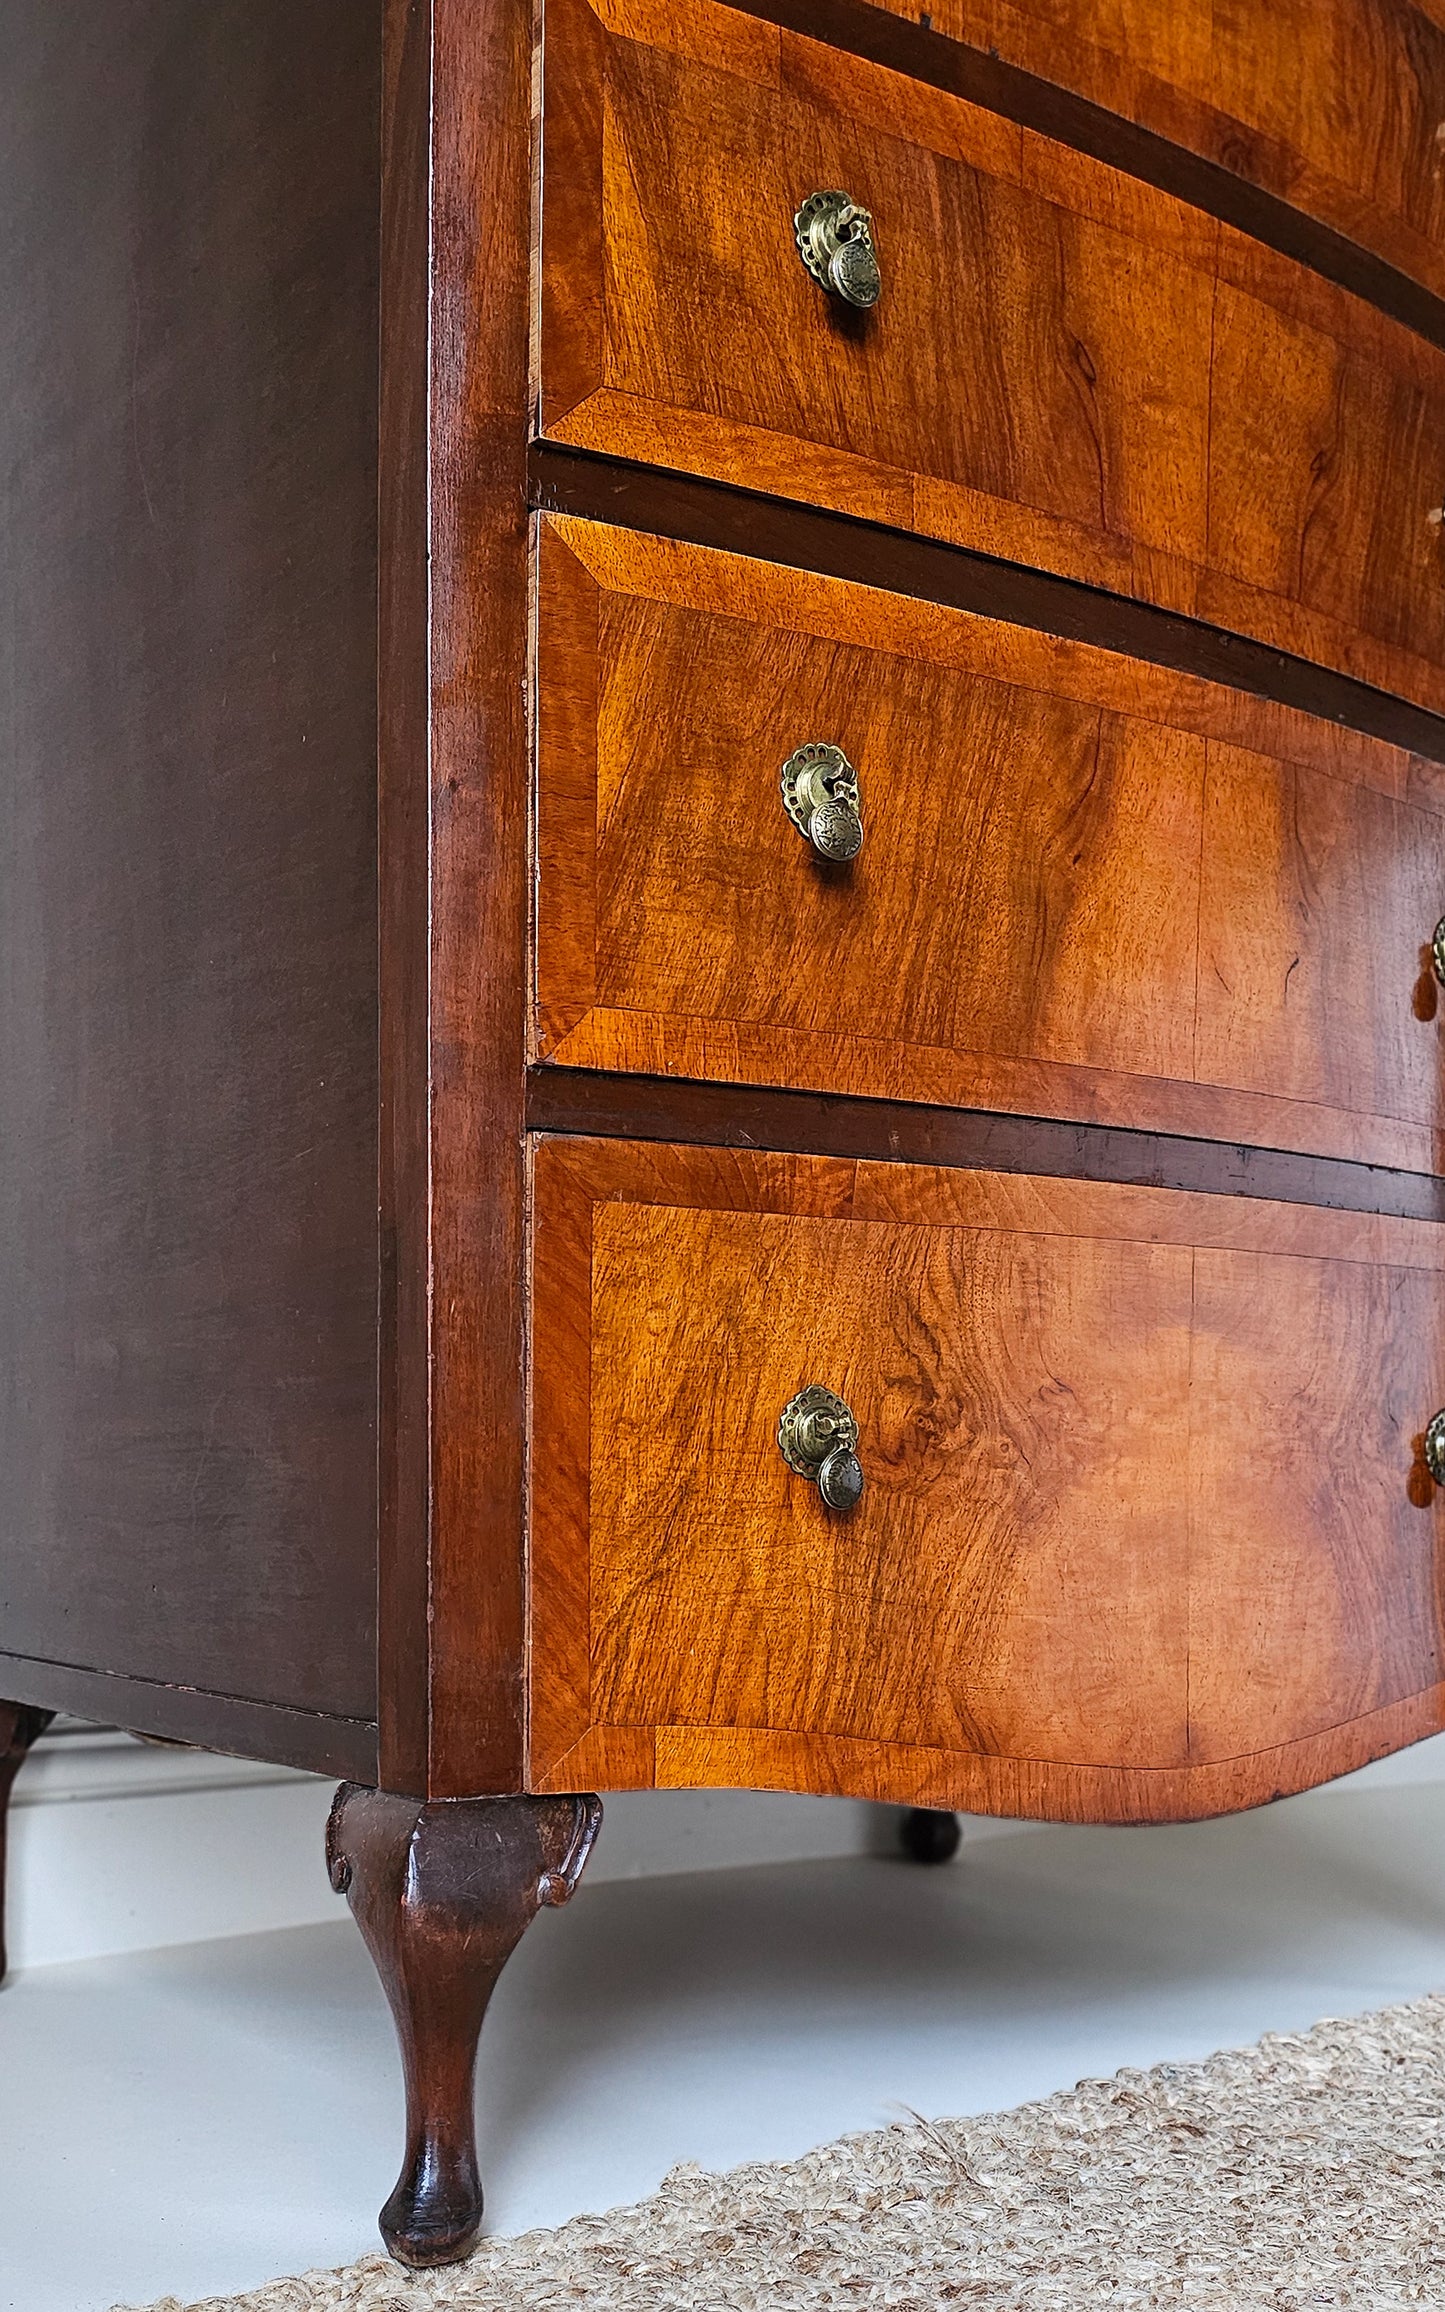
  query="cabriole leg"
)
[
  {"x": 20, "y": 1726},
  {"x": 443, "y": 1894}
]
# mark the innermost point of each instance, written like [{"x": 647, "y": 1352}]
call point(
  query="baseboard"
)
[{"x": 118, "y": 1847}]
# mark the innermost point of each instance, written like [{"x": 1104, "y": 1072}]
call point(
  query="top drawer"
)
[
  {"x": 1333, "y": 105},
  {"x": 1065, "y": 367}
]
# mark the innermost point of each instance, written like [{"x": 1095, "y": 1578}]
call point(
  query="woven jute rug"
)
[{"x": 1304, "y": 2172}]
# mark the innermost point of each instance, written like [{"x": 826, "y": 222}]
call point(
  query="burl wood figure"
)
[{"x": 722, "y": 751}]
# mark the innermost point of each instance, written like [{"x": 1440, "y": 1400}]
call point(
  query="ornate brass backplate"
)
[
  {"x": 818, "y": 1437},
  {"x": 820, "y": 791},
  {"x": 835, "y": 242}
]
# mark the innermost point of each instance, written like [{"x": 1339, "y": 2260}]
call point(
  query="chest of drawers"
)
[{"x": 724, "y": 822}]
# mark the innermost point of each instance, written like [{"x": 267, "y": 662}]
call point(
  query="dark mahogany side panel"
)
[
  {"x": 188, "y": 972},
  {"x": 308, "y": 1739},
  {"x": 404, "y": 1463}
]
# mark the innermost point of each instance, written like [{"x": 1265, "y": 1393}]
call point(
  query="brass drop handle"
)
[
  {"x": 820, "y": 794},
  {"x": 1437, "y": 950},
  {"x": 1435, "y": 1448},
  {"x": 818, "y": 1437},
  {"x": 835, "y": 242}
]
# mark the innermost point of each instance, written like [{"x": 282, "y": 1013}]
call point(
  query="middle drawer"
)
[{"x": 1088, "y": 887}]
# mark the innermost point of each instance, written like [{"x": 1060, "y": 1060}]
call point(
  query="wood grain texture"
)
[
  {"x": 443, "y": 1895},
  {"x": 596, "y": 1103},
  {"x": 1085, "y": 890},
  {"x": 699, "y": 512},
  {"x": 188, "y": 941},
  {"x": 1314, "y": 971},
  {"x": 709, "y": 1758},
  {"x": 462, "y": 1382},
  {"x": 1091, "y": 328},
  {"x": 203, "y": 1721},
  {"x": 914, "y": 624},
  {"x": 1312, "y": 1512},
  {"x": 1118, "y": 1441},
  {"x": 1016, "y": 1580},
  {"x": 1333, "y": 105},
  {"x": 403, "y": 1328},
  {"x": 1043, "y": 100}
]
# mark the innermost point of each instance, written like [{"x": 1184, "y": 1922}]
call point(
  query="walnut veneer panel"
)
[
  {"x": 1067, "y": 367},
  {"x": 1144, "y": 1490},
  {"x": 1089, "y": 887},
  {"x": 1333, "y": 105}
]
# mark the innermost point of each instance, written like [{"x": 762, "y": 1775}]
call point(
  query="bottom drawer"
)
[{"x": 1145, "y": 1528}]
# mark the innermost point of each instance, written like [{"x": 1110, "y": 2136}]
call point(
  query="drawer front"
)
[
  {"x": 1088, "y": 887},
  {"x": 1333, "y": 105},
  {"x": 1143, "y": 1497},
  {"x": 1065, "y": 367}
]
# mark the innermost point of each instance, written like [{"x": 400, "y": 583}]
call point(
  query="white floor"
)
[{"x": 203, "y": 2118}]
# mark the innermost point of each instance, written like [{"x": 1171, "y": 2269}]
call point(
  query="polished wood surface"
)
[
  {"x": 188, "y": 944},
  {"x": 443, "y": 1895},
  {"x": 707, "y": 1758},
  {"x": 453, "y": 1639},
  {"x": 1221, "y": 180},
  {"x": 1333, "y": 105},
  {"x": 699, "y": 512},
  {"x": 606, "y": 1104},
  {"x": 1101, "y": 1427},
  {"x": 1088, "y": 887},
  {"x": 431, "y": 1162},
  {"x": 1140, "y": 397},
  {"x": 307, "y": 1739},
  {"x": 403, "y": 872},
  {"x": 1317, "y": 900},
  {"x": 212, "y": 1069}
]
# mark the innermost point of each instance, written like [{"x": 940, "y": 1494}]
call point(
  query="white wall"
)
[{"x": 119, "y": 1847}]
